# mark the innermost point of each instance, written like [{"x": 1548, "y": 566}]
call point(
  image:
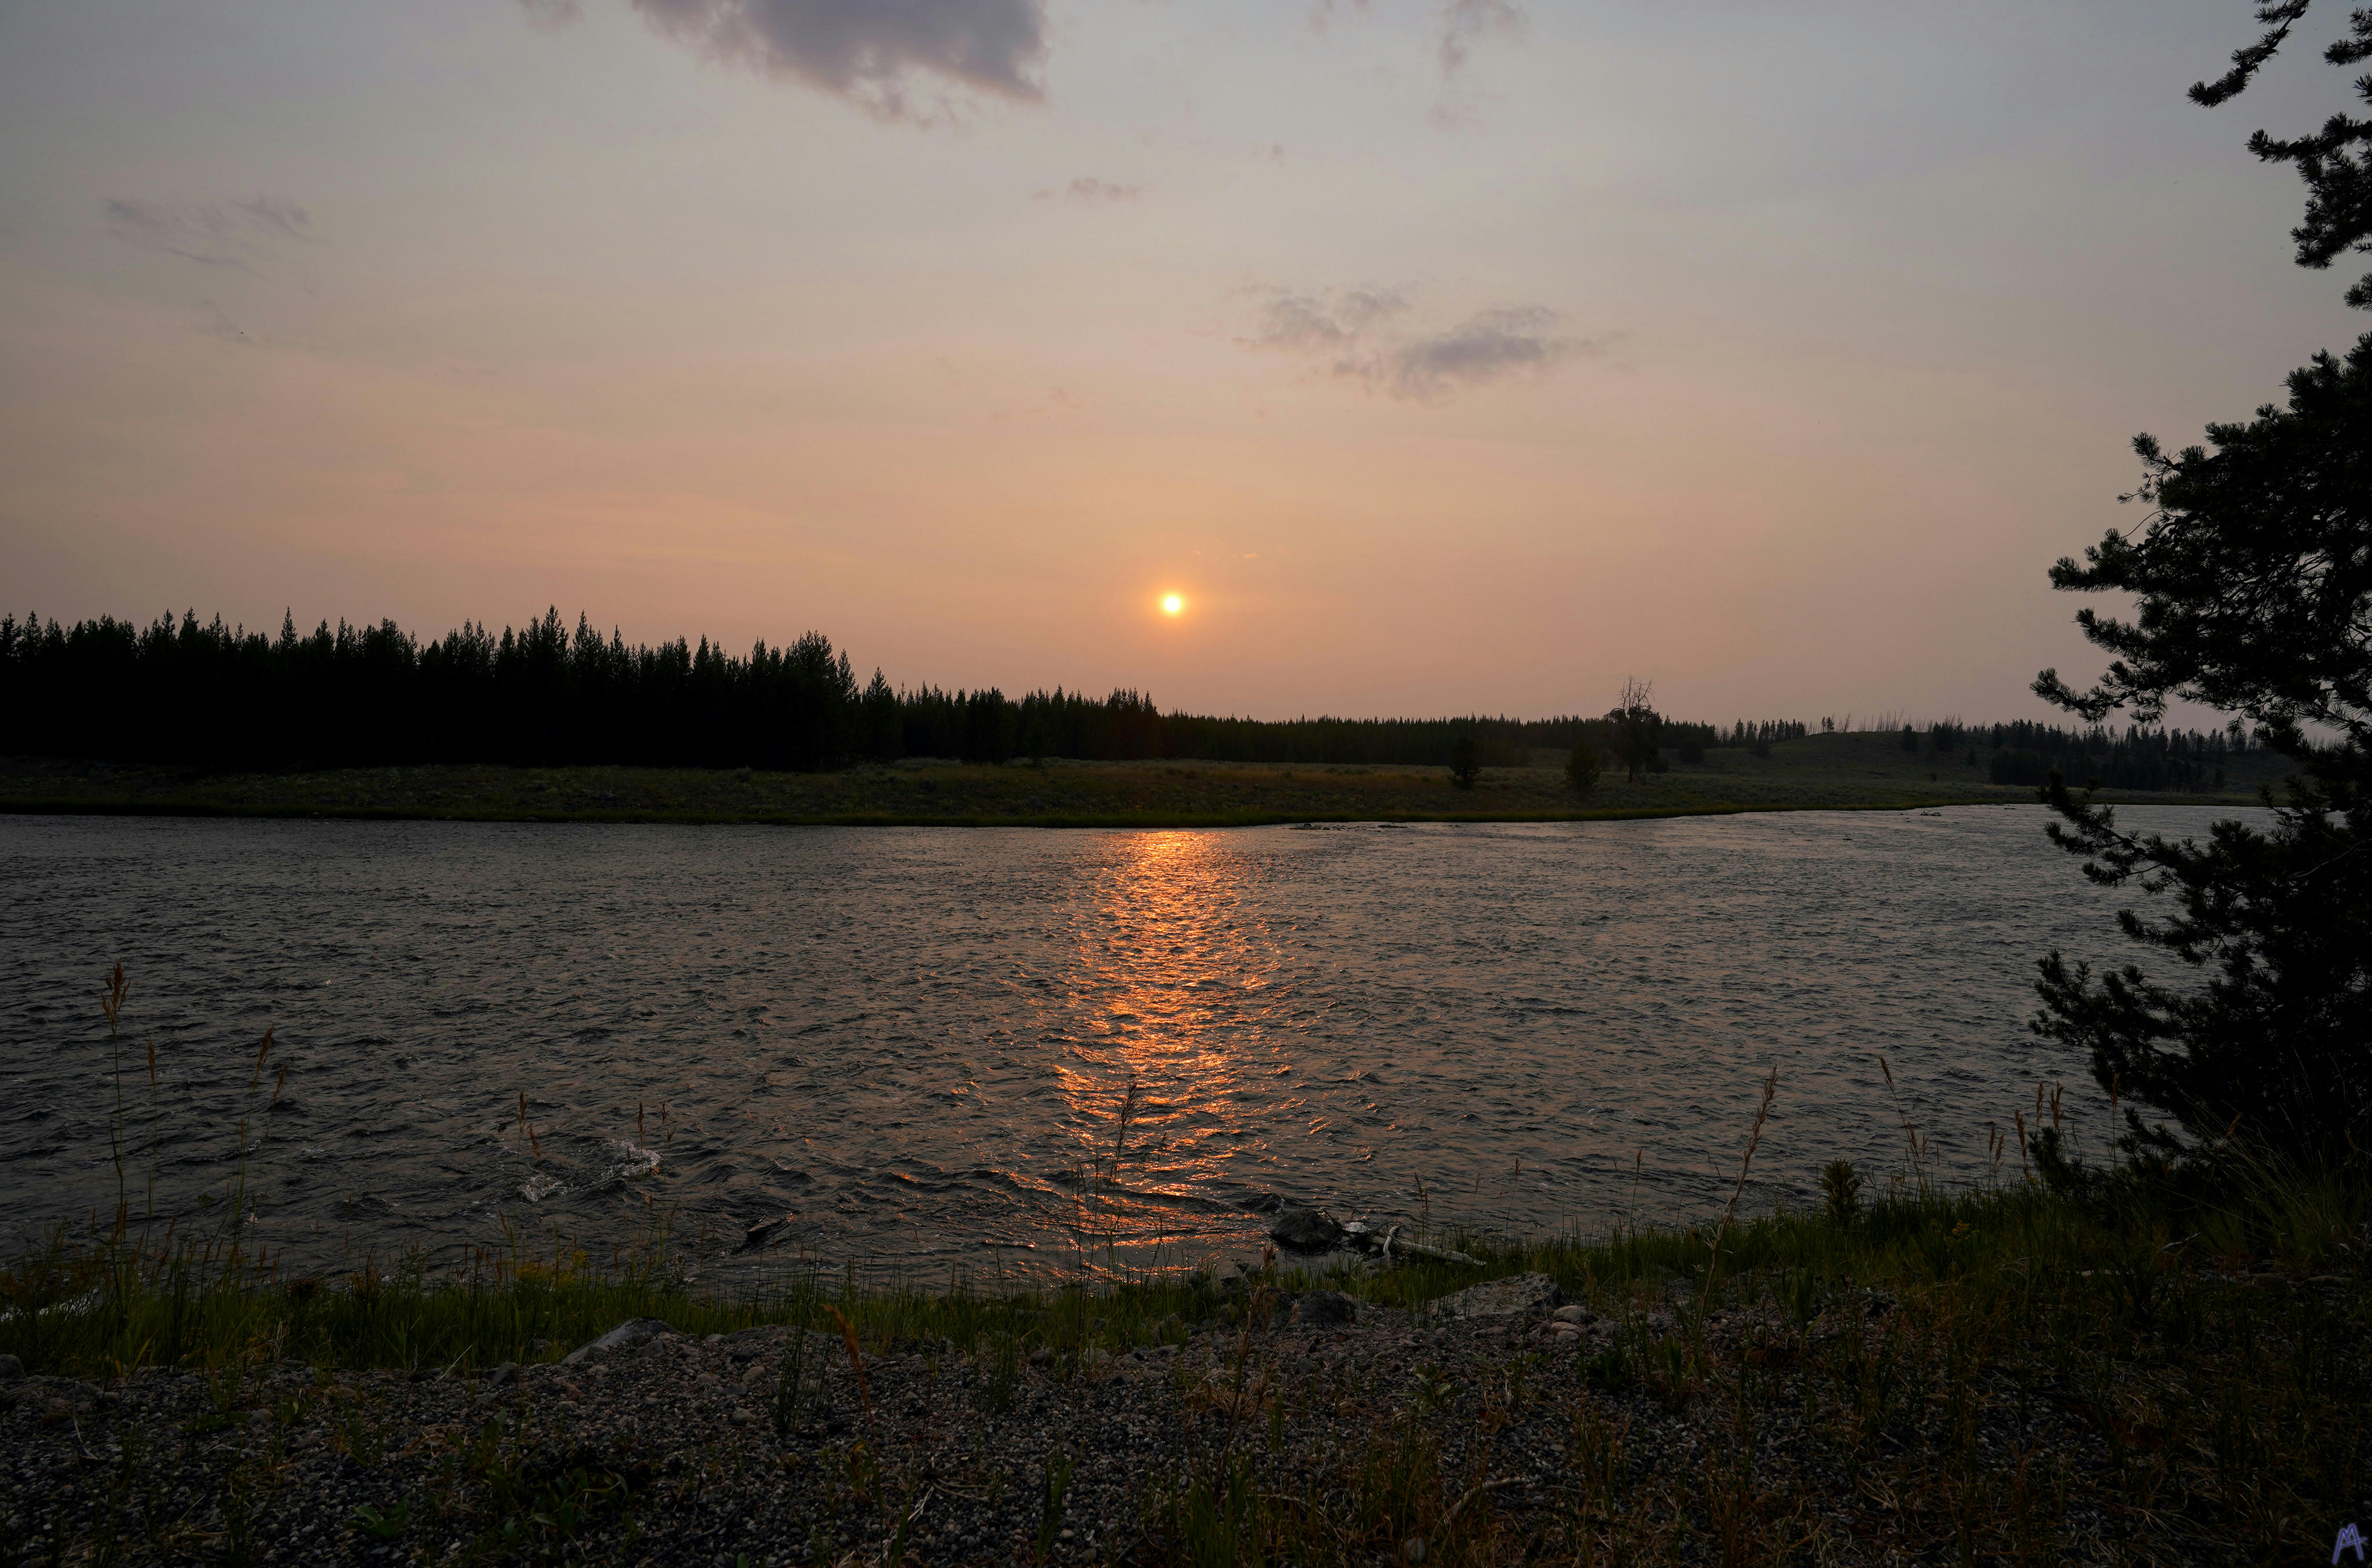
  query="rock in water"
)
[
  {"x": 632, "y": 1334},
  {"x": 1525, "y": 1296},
  {"x": 765, "y": 1232},
  {"x": 1306, "y": 1230}
]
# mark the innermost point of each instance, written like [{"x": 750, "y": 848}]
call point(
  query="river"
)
[{"x": 934, "y": 1052}]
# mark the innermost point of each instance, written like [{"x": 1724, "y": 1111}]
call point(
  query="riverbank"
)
[
  {"x": 2002, "y": 1377},
  {"x": 1815, "y": 773}
]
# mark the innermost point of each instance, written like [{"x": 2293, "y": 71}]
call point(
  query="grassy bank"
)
[
  {"x": 2005, "y": 1375},
  {"x": 1815, "y": 773}
]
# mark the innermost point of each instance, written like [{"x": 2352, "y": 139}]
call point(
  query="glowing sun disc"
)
[{"x": 1171, "y": 604}]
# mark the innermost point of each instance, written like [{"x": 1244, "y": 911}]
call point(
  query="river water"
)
[{"x": 939, "y": 1051}]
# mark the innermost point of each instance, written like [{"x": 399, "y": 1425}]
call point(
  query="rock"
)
[
  {"x": 765, "y": 1232},
  {"x": 1412, "y": 1549},
  {"x": 1574, "y": 1313},
  {"x": 750, "y": 1343},
  {"x": 1321, "y": 1306},
  {"x": 1524, "y": 1295},
  {"x": 11, "y": 1370},
  {"x": 1306, "y": 1230},
  {"x": 741, "y": 1416},
  {"x": 632, "y": 1334}
]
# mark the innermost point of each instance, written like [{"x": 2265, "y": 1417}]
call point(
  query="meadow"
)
[{"x": 1814, "y": 773}]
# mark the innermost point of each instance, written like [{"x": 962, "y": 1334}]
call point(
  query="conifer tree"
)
[{"x": 2252, "y": 578}]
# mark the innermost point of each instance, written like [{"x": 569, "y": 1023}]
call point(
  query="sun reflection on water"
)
[{"x": 1169, "y": 1051}]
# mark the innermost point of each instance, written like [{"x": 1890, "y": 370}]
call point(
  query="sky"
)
[{"x": 1441, "y": 356}]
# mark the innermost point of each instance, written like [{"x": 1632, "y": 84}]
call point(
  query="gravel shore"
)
[{"x": 1486, "y": 1429}]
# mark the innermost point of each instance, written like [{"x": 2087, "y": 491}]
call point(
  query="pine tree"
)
[{"x": 2252, "y": 578}]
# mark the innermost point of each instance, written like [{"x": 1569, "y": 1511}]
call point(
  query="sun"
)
[{"x": 1172, "y": 603}]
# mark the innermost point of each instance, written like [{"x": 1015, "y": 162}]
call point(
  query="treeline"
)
[
  {"x": 220, "y": 697},
  {"x": 2182, "y": 760},
  {"x": 2178, "y": 760},
  {"x": 212, "y": 695},
  {"x": 181, "y": 690}
]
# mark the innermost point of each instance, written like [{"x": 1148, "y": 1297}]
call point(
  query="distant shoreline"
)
[
  {"x": 1820, "y": 773},
  {"x": 710, "y": 819}
]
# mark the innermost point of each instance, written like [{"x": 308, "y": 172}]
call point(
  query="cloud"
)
[
  {"x": 1464, "y": 22},
  {"x": 1094, "y": 192},
  {"x": 1350, "y": 334},
  {"x": 220, "y": 324},
  {"x": 272, "y": 215},
  {"x": 1332, "y": 320},
  {"x": 866, "y": 51},
  {"x": 1486, "y": 346},
  {"x": 211, "y": 234},
  {"x": 1322, "y": 12}
]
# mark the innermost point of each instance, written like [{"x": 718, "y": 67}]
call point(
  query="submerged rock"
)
[
  {"x": 765, "y": 1232},
  {"x": 1306, "y": 1230}
]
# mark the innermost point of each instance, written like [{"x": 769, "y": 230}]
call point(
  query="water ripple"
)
[{"x": 918, "y": 1044}]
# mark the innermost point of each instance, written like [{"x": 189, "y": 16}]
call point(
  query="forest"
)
[{"x": 204, "y": 694}]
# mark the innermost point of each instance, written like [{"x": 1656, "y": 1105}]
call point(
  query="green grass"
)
[
  {"x": 97, "y": 1307},
  {"x": 1816, "y": 773},
  {"x": 2218, "y": 1349}
]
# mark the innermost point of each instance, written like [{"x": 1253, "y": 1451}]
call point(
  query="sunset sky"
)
[{"x": 1439, "y": 357}]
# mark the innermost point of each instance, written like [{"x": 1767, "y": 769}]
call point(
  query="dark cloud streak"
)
[
  {"x": 1487, "y": 347},
  {"x": 211, "y": 234},
  {"x": 866, "y": 51}
]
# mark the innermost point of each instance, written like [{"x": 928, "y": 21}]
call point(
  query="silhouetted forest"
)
[
  {"x": 2178, "y": 759},
  {"x": 218, "y": 697}
]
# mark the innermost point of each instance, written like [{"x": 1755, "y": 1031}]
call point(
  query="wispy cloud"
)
[
  {"x": 1327, "y": 319},
  {"x": 1356, "y": 334},
  {"x": 1489, "y": 346},
  {"x": 220, "y": 324},
  {"x": 212, "y": 234},
  {"x": 1464, "y": 22},
  {"x": 868, "y": 51},
  {"x": 1321, "y": 12},
  {"x": 1094, "y": 192}
]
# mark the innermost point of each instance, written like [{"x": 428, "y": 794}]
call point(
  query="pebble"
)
[{"x": 704, "y": 1487}]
